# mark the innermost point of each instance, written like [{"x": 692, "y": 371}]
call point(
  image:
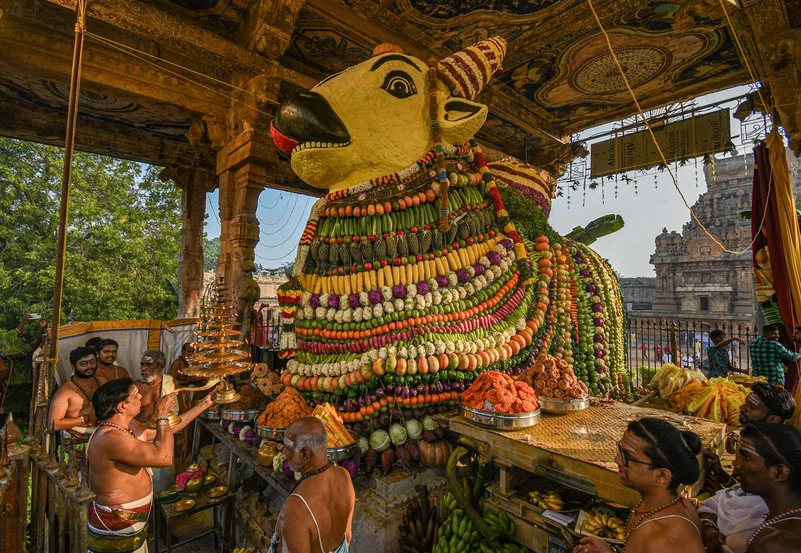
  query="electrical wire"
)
[
  {"x": 141, "y": 55},
  {"x": 280, "y": 196},
  {"x": 282, "y": 227},
  {"x": 656, "y": 143},
  {"x": 297, "y": 225}
]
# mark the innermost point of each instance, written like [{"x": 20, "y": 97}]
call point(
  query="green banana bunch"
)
[
  {"x": 499, "y": 522},
  {"x": 456, "y": 534},
  {"x": 420, "y": 525},
  {"x": 449, "y": 502}
]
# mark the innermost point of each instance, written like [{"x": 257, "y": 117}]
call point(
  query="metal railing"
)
[{"x": 652, "y": 342}]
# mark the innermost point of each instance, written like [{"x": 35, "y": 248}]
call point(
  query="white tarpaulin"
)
[{"x": 133, "y": 337}]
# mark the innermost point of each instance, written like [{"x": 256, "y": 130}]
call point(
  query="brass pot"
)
[{"x": 267, "y": 453}]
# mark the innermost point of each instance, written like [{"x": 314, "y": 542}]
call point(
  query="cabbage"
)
[
  {"x": 413, "y": 429},
  {"x": 397, "y": 433},
  {"x": 429, "y": 424},
  {"x": 364, "y": 445},
  {"x": 379, "y": 440}
]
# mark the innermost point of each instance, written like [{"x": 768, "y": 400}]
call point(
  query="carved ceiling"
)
[{"x": 559, "y": 77}]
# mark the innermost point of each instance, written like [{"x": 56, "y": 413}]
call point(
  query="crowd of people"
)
[
  {"x": 754, "y": 509},
  {"x": 131, "y": 451}
]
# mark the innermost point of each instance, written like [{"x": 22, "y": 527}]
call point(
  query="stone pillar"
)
[
  {"x": 194, "y": 184},
  {"x": 243, "y": 165}
]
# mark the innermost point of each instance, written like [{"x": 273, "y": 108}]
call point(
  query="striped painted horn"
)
[{"x": 467, "y": 72}]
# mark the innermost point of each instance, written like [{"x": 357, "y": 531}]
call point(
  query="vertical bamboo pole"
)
[{"x": 66, "y": 177}]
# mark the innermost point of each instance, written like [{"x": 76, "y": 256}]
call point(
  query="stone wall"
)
[
  {"x": 695, "y": 278},
  {"x": 638, "y": 293}
]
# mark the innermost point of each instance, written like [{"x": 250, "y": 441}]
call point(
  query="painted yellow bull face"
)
[{"x": 368, "y": 121}]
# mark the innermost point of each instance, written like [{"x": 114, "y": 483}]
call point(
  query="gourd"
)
[{"x": 436, "y": 453}]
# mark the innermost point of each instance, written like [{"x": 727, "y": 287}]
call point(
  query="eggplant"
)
[
  {"x": 380, "y": 392},
  {"x": 406, "y": 393}
]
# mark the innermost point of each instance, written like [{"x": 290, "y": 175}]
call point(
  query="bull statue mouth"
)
[{"x": 308, "y": 122}]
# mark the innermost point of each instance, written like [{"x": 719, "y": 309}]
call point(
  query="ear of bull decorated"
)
[{"x": 468, "y": 71}]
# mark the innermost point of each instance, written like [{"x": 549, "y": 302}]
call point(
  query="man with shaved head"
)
[{"x": 318, "y": 516}]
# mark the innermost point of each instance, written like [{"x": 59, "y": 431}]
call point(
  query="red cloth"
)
[{"x": 772, "y": 238}]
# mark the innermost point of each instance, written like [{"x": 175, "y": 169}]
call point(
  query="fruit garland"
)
[{"x": 289, "y": 299}]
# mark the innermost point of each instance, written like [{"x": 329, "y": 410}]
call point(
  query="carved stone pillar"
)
[
  {"x": 194, "y": 184},
  {"x": 243, "y": 165}
]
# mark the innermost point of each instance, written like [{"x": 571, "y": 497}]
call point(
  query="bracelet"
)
[
  {"x": 160, "y": 419},
  {"x": 708, "y": 523}
]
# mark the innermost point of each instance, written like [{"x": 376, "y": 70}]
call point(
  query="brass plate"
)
[
  {"x": 168, "y": 496},
  {"x": 217, "y": 491},
  {"x": 210, "y": 479},
  {"x": 184, "y": 505}
]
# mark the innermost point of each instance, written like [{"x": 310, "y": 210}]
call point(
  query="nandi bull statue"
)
[{"x": 419, "y": 269}]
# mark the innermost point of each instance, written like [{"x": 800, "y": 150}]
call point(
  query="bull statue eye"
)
[{"x": 399, "y": 84}]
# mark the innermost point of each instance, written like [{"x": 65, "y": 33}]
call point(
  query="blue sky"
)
[{"x": 656, "y": 204}]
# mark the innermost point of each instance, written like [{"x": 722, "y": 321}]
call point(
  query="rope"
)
[{"x": 659, "y": 149}]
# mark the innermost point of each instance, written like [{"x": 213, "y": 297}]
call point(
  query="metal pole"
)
[{"x": 66, "y": 178}]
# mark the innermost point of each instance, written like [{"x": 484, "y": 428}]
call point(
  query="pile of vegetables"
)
[
  {"x": 392, "y": 305},
  {"x": 551, "y": 377},
  {"x": 409, "y": 442},
  {"x": 338, "y": 435},
  {"x": 288, "y": 407},
  {"x": 497, "y": 392},
  {"x": 244, "y": 431}
]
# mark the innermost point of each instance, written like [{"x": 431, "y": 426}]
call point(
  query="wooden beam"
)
[{"x": 48, "y": 126}]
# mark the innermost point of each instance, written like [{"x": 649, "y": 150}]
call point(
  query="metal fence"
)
[{"x": 650, "y": 343}]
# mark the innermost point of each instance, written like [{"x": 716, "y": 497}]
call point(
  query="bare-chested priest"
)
[
  {"x": 120, "y": 455},
  {"x": 71, "y": 406}
]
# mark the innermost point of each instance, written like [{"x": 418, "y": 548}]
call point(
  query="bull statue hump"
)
[{"x": 420, "y": 269}]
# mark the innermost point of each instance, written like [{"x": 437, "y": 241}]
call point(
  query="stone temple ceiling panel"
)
[
  {"x": 558, "y": 73},
  {"x": 159, "y": 120}
]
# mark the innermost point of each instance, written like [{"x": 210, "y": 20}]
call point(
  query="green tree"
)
[
  {"x": 211, "y": 252},
  {"x": 123, "y": 238}
]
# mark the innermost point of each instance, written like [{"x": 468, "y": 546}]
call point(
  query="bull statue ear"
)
[{"x": 460, "y": 119}]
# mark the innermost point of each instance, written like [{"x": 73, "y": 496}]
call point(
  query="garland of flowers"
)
[{"x": 289, "y": 299}]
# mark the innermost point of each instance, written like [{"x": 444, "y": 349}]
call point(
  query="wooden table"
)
[{"x": 167, "y": 513}]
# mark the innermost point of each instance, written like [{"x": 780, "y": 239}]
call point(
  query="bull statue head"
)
[{"x": 375, "y": 118}]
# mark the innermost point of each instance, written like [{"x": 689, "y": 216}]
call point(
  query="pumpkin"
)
[{"x": 436, "y": 453}]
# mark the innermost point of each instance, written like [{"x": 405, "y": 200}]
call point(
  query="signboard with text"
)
[{"x": 705, "y": 134}]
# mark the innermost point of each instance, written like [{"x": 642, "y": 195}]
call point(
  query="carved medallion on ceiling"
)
[{"x": 600, "y": 76}]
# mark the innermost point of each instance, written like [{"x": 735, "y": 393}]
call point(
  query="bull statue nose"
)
[{"x": 307, "y": 117}]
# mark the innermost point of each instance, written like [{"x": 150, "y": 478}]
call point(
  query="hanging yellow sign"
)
[{"x": 705, "y": 134}]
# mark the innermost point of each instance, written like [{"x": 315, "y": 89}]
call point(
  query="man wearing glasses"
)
[{"x": 71, "y": 406}]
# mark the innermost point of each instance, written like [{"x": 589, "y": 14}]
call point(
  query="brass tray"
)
[
  {"x": 501, "y": 421},
  {"x": 563, "y": 406},
  {"x": 274, "y": 434},
  {"x": 210, "y": 479},
  {"x": 184, "y": 505},
  {"x": 217, "y": 491}
]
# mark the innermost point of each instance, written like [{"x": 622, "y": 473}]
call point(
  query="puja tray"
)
[
  {"x": 337, "y": 454},
  {"x": 239, "y": 415},
  {"x": 501, "y": 421},
  {"x": 563, "y": 406},
  {"x": 274, "y": 434}
]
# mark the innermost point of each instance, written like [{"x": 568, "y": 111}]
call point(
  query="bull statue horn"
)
[{"x": 467, "y": 72}]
